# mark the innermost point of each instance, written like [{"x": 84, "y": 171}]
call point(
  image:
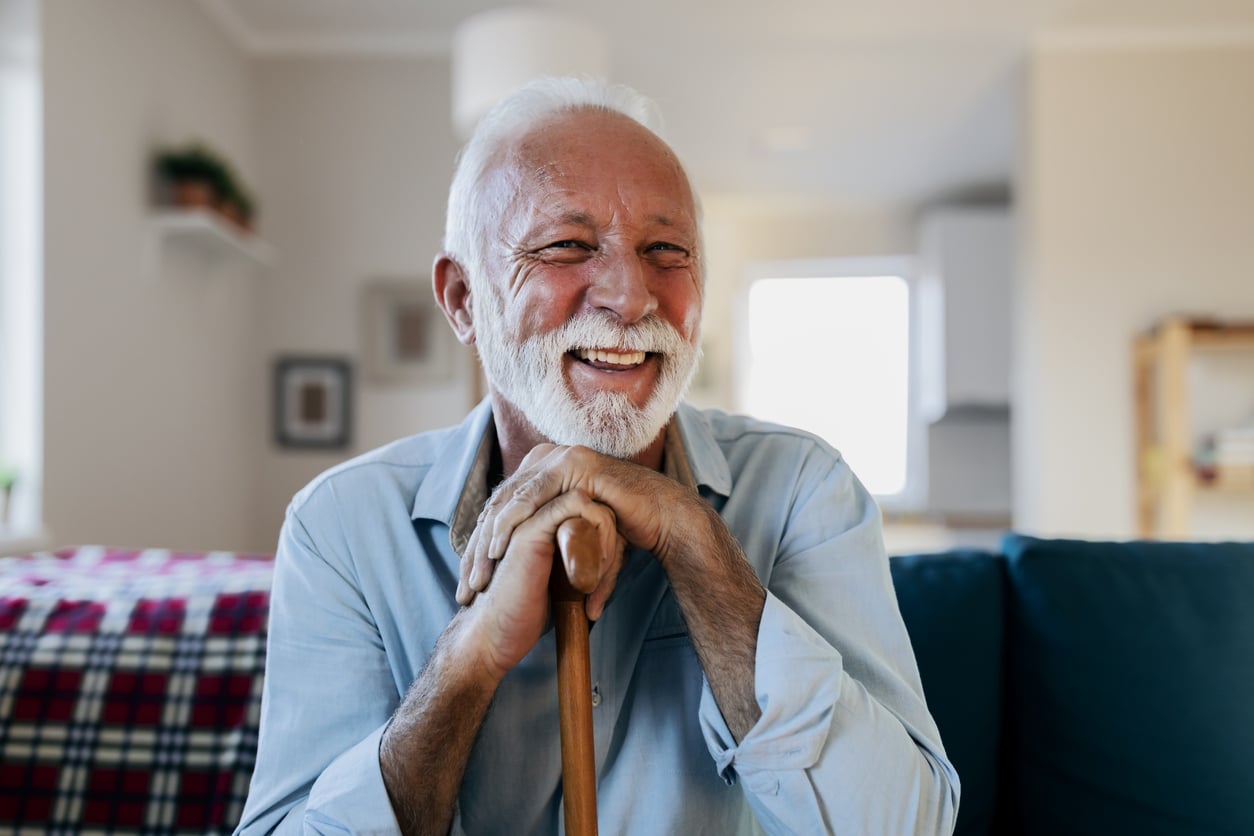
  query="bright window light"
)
[{"x": 831, "y": 356}]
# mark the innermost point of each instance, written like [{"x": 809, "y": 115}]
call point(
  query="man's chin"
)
[{"x": 620, "y": 430}]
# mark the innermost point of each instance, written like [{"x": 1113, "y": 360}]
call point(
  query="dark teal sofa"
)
[{"x": 1091, "y": 688}]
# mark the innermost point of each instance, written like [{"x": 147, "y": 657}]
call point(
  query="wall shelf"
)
[
  {"x": 208, "y": 232},
  {"x": 1168, "y": 478}
]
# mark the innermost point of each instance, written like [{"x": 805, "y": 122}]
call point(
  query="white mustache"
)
[{"x": 651, "y": 334}]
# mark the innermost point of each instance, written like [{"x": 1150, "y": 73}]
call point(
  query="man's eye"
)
[
  {"x": 567, "y": 245},
  {"x": 663, "y": 246}
]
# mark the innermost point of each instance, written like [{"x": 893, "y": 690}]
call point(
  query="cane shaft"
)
[{"x": 574, "y": 683}]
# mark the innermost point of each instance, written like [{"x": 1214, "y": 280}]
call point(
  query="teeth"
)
[{"x": 597, "y": 355}]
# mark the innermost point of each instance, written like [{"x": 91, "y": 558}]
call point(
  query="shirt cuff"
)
[
  {"x": 350, "y": 796},
  {"x": 797, "y": 682}
]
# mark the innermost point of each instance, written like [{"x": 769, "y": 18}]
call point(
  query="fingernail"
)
[{"x": 476, "y": 577}]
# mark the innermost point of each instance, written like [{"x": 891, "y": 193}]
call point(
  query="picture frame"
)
[
  {"x": 406, "y": 337},
  {"x": 313, "y": 402}
]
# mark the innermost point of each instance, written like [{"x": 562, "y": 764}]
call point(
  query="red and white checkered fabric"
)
[{"x": 130, "y": 689}]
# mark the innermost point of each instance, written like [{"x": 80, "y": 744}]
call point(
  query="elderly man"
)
[{"x": 750, "y": 670}]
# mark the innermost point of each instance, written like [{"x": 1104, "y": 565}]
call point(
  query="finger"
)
[
  {"x": 480, "y": 562},
  {"x": 481, "y": 566},
  {"x": 533, "y": 546},
  {"x": 525, "y": 499},
  {"x": 480, "y": 572},
  {"x": 479, "y": 536},
  {"x": 536, "y": 455},
  {"x": 547, "y": 472},
  {"x": 468, "y": 583},
  {"x": 464, "y": 594},
  {"x": 480, "y": 541},
  {"x": 597, "y": 599},
  {"x": 535, "y": 539}
]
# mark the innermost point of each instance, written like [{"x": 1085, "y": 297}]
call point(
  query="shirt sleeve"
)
[
  {"x": 845, "y": 742},
  {"x": 328, "y": 694}
]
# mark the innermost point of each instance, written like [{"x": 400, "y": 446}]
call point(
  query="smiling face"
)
[{"x": 587, "y": 316}]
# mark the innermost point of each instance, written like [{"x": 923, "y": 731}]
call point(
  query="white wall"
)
[
  {"x": 1137, "y": 197},
  {"x": 152, "y": 393},
  {"x": 355, "y": 158}
]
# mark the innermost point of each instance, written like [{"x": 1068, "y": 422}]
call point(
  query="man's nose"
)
[{"x": 623, "y": 289}]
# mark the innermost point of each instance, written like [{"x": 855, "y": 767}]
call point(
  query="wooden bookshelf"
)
[{"x": 1168, "y": 479}]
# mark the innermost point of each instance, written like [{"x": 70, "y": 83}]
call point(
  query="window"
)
[
  {"x": 20, "y": 267},
  {"x": 829, "y": 349}
]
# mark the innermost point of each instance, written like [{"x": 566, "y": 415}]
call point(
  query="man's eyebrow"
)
[
  {"x": 575, "y": 217},
  {"x": 546, "y": 224},
  {"x": 662, "y": 220}
]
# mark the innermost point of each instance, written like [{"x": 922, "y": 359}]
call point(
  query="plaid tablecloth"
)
[{"x": 130, "y": 689}]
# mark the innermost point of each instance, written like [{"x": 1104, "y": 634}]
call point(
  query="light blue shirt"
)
[{"x": 364, "y": 581}]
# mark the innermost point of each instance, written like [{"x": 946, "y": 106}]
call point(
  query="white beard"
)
[{"x": 529, "y": 374}]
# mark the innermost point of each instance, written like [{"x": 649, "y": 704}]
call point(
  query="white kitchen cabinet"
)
[{"x": 966, "y": 258}]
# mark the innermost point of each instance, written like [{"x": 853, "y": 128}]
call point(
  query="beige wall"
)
[
  {"x": 1136, "y": 202},
  {"x": 151, "y": 389}
]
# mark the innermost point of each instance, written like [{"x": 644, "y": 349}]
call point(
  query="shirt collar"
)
[
  {"x": 701, "y": 450},
  {"x": 467, "y": 451},
  {"x": 456, "y": 486}
]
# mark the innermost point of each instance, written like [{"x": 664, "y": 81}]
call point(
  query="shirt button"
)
[{"x": 596, "y": 695}]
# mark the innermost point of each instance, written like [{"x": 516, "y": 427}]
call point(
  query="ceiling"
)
[{"x": 892, "y": 103}]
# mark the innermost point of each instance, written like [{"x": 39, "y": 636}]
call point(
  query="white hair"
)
[{"x": 464, "y": 236}]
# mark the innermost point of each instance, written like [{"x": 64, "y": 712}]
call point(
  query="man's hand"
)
[
  {"x": 718, "y": 592},
  {"x": 440, "y": 715},
  {"x": 644, "y": 503},
  {"x": 509, "y": 615}
]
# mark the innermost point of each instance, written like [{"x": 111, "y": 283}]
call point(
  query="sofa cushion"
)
[
  {"x": 130, "y": 687},
  {"x": 952, "y": 606},
  {"x": 1130, "y": 690}
]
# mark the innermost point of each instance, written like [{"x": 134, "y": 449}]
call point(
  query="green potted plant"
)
[
  {"x": 195, "y": 174},
  {"x": 236, "y": 203}
]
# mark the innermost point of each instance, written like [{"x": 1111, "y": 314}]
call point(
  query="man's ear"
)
[{"x": 452, "y": 293}]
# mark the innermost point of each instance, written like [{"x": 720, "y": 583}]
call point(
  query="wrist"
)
[
  {"x": 690, "y": 536},
  {"x": 468, "y": 653}
]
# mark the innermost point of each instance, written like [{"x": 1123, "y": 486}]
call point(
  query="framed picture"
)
[
  {"x": 407, "y": 339},
  {"x": 312, "y": 402}
]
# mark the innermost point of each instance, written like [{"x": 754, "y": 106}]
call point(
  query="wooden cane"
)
[{"x": 576, "y": 538}]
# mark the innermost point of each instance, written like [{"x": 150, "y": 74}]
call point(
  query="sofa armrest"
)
[{"x": 953, "y": 606}]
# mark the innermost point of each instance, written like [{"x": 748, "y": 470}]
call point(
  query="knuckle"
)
[
  {"x": 538, "y": 452},
  {"x": 580, "y": 456},
  {"x": 530, "y": 490}
]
